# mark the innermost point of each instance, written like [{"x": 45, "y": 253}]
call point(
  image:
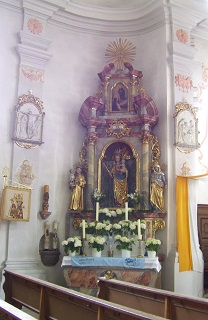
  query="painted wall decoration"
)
[
  {"x": 186, "y": 128},
  {"x": 182, "y": 35},
  {"x": 35, "y": 26},
  {"x": 29, "y": 121},
  {"x": 185, "y": 170},
  {"x": 31, "y": 74},
  {"x": 25, "y": 173},
  {"x": 183, "y": 82}
]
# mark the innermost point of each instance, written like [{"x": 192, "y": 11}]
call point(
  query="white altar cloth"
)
[{"x": 135, "y": 263}]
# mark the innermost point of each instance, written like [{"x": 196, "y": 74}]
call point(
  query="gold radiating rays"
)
[{"x": 120, "y": 51}]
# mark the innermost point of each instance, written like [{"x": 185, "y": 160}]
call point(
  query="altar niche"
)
[{"x": 118, "y": 173}]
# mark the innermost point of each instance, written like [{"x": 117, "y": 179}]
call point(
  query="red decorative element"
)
[
  {"x": 183, "y": 82},
  {"x": 182, "y": 35},
  {"x": 106, "y": 71},
  {"x": 89, "y": 107},
  {"x": 35, "y": 26},
  {"x": 32, "y": 74}
]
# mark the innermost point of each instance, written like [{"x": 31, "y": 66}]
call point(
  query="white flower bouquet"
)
[
  {"x": 97, "y": 242},
  {"x": 152, "y": 244},
  {"x": 124, "y": 242},
  {"x": 134, "y": 227},
  {"x": 73, "y": 244}
]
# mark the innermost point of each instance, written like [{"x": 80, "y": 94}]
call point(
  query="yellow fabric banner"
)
[{"x": 182, "y": 225}]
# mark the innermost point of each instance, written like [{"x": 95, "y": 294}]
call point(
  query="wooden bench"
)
[
  {"x": 8, "y": 312},
  {"x": 54, "y": 302},
  {"x": 158, "y": 302}
]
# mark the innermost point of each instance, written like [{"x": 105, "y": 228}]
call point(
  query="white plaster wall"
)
[{"x": 9, "y": 23}]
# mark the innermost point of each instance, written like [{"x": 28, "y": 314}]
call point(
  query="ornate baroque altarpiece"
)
[{"x": 119, "y": 121}]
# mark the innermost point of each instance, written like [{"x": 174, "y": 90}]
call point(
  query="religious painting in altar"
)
[
  {"x": 118, "y": 173},
  {"x": 119, "y": 97},
  {"x": 120, "y": 150}
]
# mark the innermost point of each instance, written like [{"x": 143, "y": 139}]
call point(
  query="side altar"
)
[{"x": 118, "y": 185}]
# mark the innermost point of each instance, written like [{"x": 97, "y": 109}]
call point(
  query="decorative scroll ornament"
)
[
  {"x": 186, "y": 128},
  {"x": 158, "y": 224},
  {"x": 118, "y": 129},
  {"x": 29, "y": 122}
]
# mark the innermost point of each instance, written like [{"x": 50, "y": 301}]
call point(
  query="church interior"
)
[{"x": 104, "y": 134}]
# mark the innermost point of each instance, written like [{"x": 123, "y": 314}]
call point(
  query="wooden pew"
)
[
  {"x": 54, "y": 302},
  {"x": 162, "y": 303},
  {"x": 8, "y": 312}
]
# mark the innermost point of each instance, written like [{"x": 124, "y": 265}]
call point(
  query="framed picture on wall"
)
[
  {"x": 28, "y": 128},
  {"x": 186, "y": 128},
  {"x": 15, "y": 203}
]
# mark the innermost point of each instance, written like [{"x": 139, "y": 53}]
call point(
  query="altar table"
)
[{"x": 81, "y": 273}]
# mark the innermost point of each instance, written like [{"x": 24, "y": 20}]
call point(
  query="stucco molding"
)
[{"x": 32, "y": 56}]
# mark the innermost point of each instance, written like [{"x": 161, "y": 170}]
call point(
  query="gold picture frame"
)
[{"x": 15, "y": 203}]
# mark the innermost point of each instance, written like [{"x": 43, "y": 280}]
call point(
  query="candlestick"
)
[
  {"x": 126, "y": 211},
  {"x": 139, "y": 230},
  {"x": 83, "y": 247},
  {"x": 97, "y": 211},
  {"x": 83, "y": 229},
  {"x": 47, "y": 235}
]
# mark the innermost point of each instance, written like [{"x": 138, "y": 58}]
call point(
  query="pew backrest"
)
[
  {"x": 9, "y": 312},
  {"x": 162, "y": 303},
  {"x": 50, "y": 301}
]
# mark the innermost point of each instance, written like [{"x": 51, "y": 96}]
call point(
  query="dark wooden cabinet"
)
[{"x": 202, "y": 217}]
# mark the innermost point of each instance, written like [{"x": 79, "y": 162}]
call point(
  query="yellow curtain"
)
[{"x": 182, "y": 224}]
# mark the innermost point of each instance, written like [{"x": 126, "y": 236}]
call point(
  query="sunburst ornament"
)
[{"x": 120, "y": 51}]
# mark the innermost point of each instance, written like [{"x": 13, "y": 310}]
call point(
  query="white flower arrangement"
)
[
  {"x": 98, "y": 196},
  {"x": 97, "y": 242},
  {"x": 124, "y": 242},
  {"x": 135, "y": 197},
  {"x": 152, "y": 244},
  {"x": 72, "y": 244}
]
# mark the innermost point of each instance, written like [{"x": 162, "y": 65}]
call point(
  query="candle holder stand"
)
[
  {"x": 139, "y": 249},
  {"x": 84, "y": 247}
]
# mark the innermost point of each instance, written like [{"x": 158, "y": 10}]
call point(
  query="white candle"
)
[
  {"x": 83, "y": 229},
  {"x": 55, "y": 226},
  {"x": 97, "y": 212},
  {"x": 139, "y": 230},
  {"x": 126, "y": 211}
]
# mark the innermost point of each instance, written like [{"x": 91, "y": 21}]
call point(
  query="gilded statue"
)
[
  {"x": 119, "y": 174},
  {"x": 158, "y": 183},
  {"x": 77, "y": 186}
]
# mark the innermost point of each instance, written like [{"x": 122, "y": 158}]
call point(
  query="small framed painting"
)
[{"x": 15, "y": 203}]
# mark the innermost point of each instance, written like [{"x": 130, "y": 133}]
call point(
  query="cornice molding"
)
[
  {"x": 33, "y": 41},
  {"x": 181, "y": 65},
  {"x": 32, "y": 56},
  {"x": 142, "y": 25},
  {"x": 200, "y": 33},
  {"x": 39, "y": 7},
  {"x": 142, "y": 18},
  {"x": 181, "y": 49}
]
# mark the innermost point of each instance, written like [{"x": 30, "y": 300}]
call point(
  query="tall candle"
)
[
  {"x": 126, "y": 211},
  {"x": 83, "y": 229},
  {"x": 97, "y": 212},
  {"x": 139, "y": 230}
]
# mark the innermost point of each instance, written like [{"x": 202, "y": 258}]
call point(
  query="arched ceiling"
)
[{"x": 108, "y": 3}]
